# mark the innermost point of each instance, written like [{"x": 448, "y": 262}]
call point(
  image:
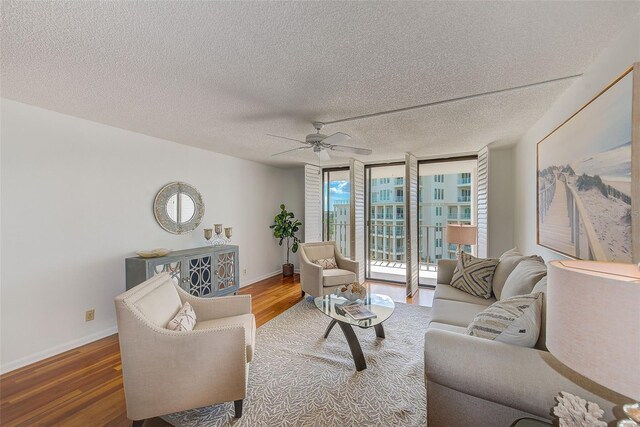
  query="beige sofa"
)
[
  {"x": 476, "y": 382},
  {"x": 167, "y": 371},
  {"x": 317, "y": 281}
]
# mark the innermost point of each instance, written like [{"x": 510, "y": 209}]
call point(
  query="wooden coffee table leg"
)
[
  {"x": 379, "y": 330},
  {"x": 354, "y": 345},
  {"x": 330, "y": 327}
]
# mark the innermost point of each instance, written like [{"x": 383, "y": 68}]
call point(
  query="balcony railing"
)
[
  {"x": 463, "y": 181},
  {"x": 387, "y": 243},
  {"x": 463, "y": 199},
  {"x": 340, "y": 232},
  {"x": 385, "y": 250}
]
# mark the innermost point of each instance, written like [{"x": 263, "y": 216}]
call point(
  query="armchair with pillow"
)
[
  {"x": 182, "y": 352},
  {"x": 323, "y": 268},
  {"x": 481, "y": 372}
]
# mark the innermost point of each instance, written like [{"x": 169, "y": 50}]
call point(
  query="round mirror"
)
[{"x": 178, "y": 208}]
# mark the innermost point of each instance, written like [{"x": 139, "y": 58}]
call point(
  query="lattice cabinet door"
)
[
  {"x": 198, "y": 278},
  {"x": 225, "y": 270},
  {"x": 173, "y": 268},
  {"x": 209, "y": 271}
]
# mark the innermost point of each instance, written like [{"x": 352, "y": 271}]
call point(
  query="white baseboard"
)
[
  {"x": 259, "y": 278},
  {"x": 41, "y": 355},
  {"x": 263, "y": 277}
]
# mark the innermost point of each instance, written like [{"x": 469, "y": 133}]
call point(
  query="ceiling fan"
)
[{"x": 322, "y": 144}]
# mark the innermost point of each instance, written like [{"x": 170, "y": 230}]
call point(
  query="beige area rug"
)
[{"x": 297, "y": 378}]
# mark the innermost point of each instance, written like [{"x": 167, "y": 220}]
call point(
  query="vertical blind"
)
[
  {"x": 483, "y": 201},
  {"x": 312, "y": 203},
  {"x": 357, "y": 216},
  {"x": 411, "y": 221}
]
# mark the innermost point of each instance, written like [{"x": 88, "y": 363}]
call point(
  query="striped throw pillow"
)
[
  {"x": 327, "y": 264},
  {"x": 514, "y": 320},
  {"x": 474, "y": 275},
  {"x": 184, "y": 320}
]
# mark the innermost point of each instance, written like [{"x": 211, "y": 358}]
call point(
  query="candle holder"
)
[{"x": 218, "y": 238}]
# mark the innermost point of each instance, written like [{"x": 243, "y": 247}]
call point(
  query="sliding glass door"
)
[
  {"x": 446, "y": 195},
  {"x": 385, "y": 231},
  {"x": 446, "y": 192},
  {"x": 336, "y": 214}
]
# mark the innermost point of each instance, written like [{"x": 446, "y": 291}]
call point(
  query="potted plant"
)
[{"x": 284, "y": 228}]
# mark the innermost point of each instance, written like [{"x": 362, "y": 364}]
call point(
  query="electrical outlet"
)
[
  {"x": 244, "y": 271},
  {"x": 89, "y": 315}
]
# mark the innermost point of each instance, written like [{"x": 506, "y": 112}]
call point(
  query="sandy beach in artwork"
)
[{"x": 611, "y": 219}]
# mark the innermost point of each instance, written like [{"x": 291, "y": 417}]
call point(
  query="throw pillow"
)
[
  {"x": 508, "y": 262},
  {"x": 326, "y": 263},
  {"x": 184, "y": 320},
  {"x": 473, "y": 275},
  {"x": 513, "y": 320},
  {"x": 524, "y": 277},
  {"x": 541, "y": 287}
]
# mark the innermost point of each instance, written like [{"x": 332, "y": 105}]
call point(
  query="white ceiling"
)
[{"x": 221, "y": 75}]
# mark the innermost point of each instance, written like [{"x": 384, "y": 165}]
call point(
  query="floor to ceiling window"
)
[
  {"x": 385, "y": 230},
  {"x": 336, "y": 217},
  {"x": 445, "y": 196}
]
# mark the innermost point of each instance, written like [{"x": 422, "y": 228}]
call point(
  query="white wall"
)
[
  {"x": 612, "y": 62},
  {"x": 77, "y": 199}
]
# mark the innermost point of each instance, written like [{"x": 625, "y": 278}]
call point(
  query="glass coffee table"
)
[{"x": 331, "y": 305}]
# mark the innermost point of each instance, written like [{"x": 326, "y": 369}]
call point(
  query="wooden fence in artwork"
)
[{"x": 614, "y": 192}]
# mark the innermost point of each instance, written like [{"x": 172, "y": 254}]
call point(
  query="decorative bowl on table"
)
[
  {"x": 153, "y": 253},
  {"x": 352, "y": 292}
]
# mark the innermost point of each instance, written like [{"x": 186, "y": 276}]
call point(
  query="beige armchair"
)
[
  {"x": 317, "y": 281},
  {"x": 168, "y": 371}
]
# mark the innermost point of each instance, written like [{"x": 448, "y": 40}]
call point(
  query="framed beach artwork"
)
[{"x": 588, "y": 177}]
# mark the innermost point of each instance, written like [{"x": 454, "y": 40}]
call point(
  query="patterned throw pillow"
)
[
  {"x": 184, "y": 320},
  {"x": 473, "y": 275},
  {"x": 514, "y": 320},
  {"x": 327, "y": 263}
]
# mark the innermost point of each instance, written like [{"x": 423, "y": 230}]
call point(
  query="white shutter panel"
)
[
  {"x": 312, "y": 203},
  {"x": 483, "y": 202},
  {"x": 411, "y": 222},
  {"x": 356, "y": 172}
]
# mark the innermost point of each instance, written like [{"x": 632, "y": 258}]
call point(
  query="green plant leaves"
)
[{"x": 284, "y": 228}]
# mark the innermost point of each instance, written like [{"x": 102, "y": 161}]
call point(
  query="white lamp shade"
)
[
  {"x": 461, "y": 234},
  {"x": 593, "y": 321}
]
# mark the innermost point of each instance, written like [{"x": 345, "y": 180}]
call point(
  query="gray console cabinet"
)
[{"x": 210, "y": 271}]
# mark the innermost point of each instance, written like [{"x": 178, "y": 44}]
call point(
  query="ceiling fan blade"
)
[
  {"x": 336, "y": 138},
  {"x": 348, "y": 149},
  {"x": 323, "y": 155},
  {"x": 290, "y": 139},
  {"x": 288, "y": 151}
]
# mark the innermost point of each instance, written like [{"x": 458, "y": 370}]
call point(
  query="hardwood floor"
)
[{"x": 83, "y": 387}]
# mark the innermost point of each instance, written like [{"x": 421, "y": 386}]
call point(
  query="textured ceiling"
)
[{"x": 221, "y": 75}]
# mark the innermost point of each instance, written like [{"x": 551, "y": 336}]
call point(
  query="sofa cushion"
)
[
  {"x": 523, "y": 278},
  {"x": 454, "y": 312},
  {"x": 161, "y": 304},
  {"x": 449, "y": 292},
  {"x": 514, "y": 320},
  {"x": 248, "y": 321},
  {"x": 337, "y": 276},
  {"x": 474, "y": 275},
  {"x": 508, "y": 262},
  {"x": 446, "y": 327},
  {"x": 184, "y": 320},
  {"x": 541, "y": 287},
  {"x": 326, "y": 263},
  {"x": 315, "y": 252}
]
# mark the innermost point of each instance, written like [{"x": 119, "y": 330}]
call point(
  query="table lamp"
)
[
  {"x": 461, "y": 235},
  {"x": 593, "y": 324}
]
